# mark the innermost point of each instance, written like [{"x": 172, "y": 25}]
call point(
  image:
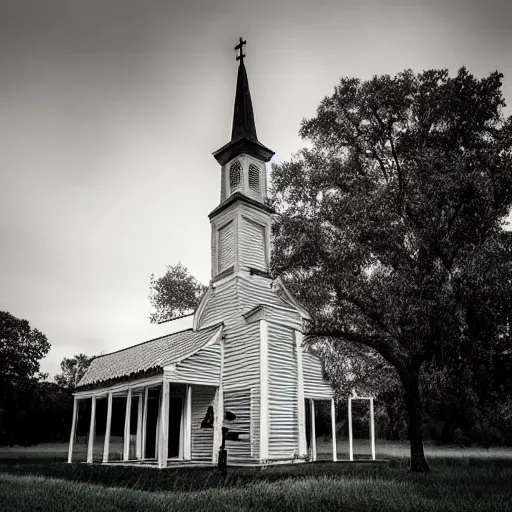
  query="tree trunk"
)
[{"x": 410, "y": 381}]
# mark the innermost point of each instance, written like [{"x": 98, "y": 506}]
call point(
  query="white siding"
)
[
  {"x": 241, "y": 357},
  {"x": 202, "y": 438},
  {"x": 253, "y": 244},
  {"x": 255, "y": 422},
  {"x": 201, "y": 368},
  {"x": 283, "y": 438},
  {"x": 315, "y": 386},
  {"x": 226, "y": 246},
  {"x": 221, "y": 307},
  {"x": 239, "y": 403}
]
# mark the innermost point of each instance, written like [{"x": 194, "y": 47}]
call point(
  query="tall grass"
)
[
  {"x": 461, "y": 480},
  {"x": 463, "y": 488}
]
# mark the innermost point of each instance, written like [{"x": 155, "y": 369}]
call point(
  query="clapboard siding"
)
[
  {"x": 201, "y": 368},
  {"x": 286, "y": 317},
  {"x": 202, "y": 438},
  {"x": 253, "y": 244},
  {"x": 256, "y": 290},
  {"x": 242, "y": 356},
  {"x": 221, "y": 306},
  {"x": 315, "y": 386},
  {"x": 226, "y": 246},
  {"x": 255, "y": 422},
  {"x": 239, "y": 403},
  {"x": 282, "y": 400}
]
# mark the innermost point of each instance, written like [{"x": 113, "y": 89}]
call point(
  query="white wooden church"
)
[{"x": 244, "y": 354}]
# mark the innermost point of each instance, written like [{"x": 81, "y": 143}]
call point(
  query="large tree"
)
[
  {"x": 391, "y": 220},
  {"x": 174, "y": 294}
]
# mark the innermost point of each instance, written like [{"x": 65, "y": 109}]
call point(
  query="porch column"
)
[
  {"x": 187, "y": 423},
  {"x": 164, "y": 425},
  {"x": 301, "y": 411},
  {"x": 181, "y": 448},
  {"x": 263, "y": 390},
  {"x": 372, "y": 428},
  {"x": 350, "y": 434},
  {"x": 144, "y": 423},
  {"x": 333, "y": 429},
  {"x": 218, "y": 412},
  {"x": 138, "y": 445},
  {"x": 126, "y": 438},
  {"x": 106, "y": 444},
  {"x": 158, "y": 421},
  {"x": 92, "y": 425},
  {"x": 73, "y": 429},
  {"x": 313, "y": 429}
]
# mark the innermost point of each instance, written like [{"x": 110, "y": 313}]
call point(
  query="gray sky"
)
[{"x": 110, "y": 110}]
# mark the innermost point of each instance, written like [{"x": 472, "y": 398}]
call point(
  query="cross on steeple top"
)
[{"x": 240, "y": 46}]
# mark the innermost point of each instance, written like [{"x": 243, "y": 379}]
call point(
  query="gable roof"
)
[{"x": 152, "y": 354}]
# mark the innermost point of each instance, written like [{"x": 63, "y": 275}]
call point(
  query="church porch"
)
[{"x": 163, "y": 423}]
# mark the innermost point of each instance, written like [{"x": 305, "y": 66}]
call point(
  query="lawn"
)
[{"x": 35, "y": 479}]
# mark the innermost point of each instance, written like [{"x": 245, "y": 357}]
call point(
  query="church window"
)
[
  {"x": 235, "y": 176},
  {"x": 254, "y": 178}
]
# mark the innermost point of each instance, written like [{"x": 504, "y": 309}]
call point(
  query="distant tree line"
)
[{"x": 32, "y": 409}]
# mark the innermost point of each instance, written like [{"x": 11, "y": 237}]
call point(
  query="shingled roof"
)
[{"x": 152, "y": 354}]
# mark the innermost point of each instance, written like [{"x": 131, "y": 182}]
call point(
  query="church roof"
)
[{"x": 149, "y": 355}]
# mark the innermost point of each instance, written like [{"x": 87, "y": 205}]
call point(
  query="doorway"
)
[{"x": 175, "y": 411}]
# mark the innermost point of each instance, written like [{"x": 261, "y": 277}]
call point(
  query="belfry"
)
[{"x": 242, "y": 366}]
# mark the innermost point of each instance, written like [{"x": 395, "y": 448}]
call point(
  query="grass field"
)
[{"x": 36, "y": 479}]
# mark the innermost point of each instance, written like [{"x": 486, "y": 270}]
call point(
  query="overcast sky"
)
[{"x": 110, "y": 110}]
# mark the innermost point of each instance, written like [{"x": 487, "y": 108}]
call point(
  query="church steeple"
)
[{"x": 241, "y": 222}]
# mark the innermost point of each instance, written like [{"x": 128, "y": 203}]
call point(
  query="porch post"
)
[
  {"x": 372, "y": 428},
  {"x": 350, "y": 434},
  {"x": 218, "y": 412},
  {"x": 138, "y": 444},
  {"x": 144, "y": 422},
  {"x": 164, "y": 425},
  {"x": 187, "y": 431},
  {"x": 333, "y": 430},
  {"x": 181, "y": 449},
  {"x": 73, "y": 429},
  {"x": 158, "y": 421},
  {"x": 106, "y": 444},
  {"x": 301, "y": 411},
  {"x": 127, "y": 416},
  {"x": 91, "y": 430},
  {"x": 313, "y": 430},
  {"x": 263, "y": 390}
]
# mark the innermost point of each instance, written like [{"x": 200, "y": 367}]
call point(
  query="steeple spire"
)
[
  {"x": 243, "y": 132},
  {"x": 243, "y": 114}
]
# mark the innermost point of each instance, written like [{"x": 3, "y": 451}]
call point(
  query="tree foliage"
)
[
  {"x": 21, "y": 348},
  {"x": 73, "y": 369},
  {"x": 174, "y": 294},
  {"x": 391, "y": 226}
]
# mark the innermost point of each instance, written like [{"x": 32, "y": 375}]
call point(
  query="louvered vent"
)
[
  {"x": 253, "y": 245},
  {"x": 235, "y": 176},
  {"x": 226, "y": 246},
  {"x": 254, "y": 178}
]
